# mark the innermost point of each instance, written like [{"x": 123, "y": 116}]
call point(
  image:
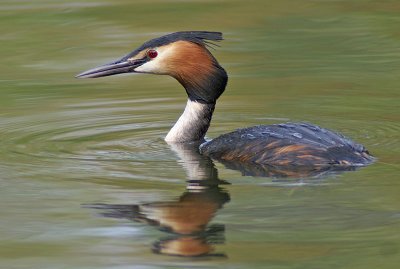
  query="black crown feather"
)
[{"x": 202, "y": 38}]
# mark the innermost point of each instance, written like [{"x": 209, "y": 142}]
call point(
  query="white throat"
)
[{"x": 193, "y": 124}]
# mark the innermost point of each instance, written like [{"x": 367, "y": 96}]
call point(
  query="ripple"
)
[
  {"x": 380, "y": 133},
  {"x": 85, "y": 135},
  {"x": 120, "y": 138}
]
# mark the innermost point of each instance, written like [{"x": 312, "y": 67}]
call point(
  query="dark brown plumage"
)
[{"x": 290, "y": 144}]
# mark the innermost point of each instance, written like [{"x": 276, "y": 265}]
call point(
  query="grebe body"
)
[
  {"x": 184, "y": 56},
  {"x": 287, "y": 144}
]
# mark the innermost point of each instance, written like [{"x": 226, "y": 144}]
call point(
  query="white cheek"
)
[
  {"x": 156, "y": 65},
  {"x": 149, "y": 67}
]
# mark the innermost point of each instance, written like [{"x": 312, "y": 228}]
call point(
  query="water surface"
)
[{"x": 86, "y": 175}]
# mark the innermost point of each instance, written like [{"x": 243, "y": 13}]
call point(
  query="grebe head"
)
[{"x": 182, "y": 55}]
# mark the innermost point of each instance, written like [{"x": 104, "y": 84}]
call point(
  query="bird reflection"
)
[
  {"x": 286, "y": 172},
  {"x": 202, "y": 168},
  {"x": 186, "y": 219}
]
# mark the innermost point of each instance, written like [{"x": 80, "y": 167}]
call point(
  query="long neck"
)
[{"x": 193, "y": 123}]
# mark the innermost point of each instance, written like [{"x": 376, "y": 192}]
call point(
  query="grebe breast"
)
[{"x": 298, "y": 144}]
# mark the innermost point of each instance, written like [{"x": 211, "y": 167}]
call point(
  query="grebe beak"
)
[{"x": 118, "y": 67}]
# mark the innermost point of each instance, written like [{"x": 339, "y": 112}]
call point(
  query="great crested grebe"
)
[{"x": 184, "y": 56}]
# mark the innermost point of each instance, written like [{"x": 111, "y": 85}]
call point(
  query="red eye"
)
[{"x": 152, "y": 54}]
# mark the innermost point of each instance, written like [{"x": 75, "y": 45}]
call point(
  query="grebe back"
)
[{"x": 184, "y": 56}]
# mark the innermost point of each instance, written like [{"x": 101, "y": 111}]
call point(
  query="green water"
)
[{"x": 73, "y": 149}]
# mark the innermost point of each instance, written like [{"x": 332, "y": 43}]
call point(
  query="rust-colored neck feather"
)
[{"x": 198, "y": 71}]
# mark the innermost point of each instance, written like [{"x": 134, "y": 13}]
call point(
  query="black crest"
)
[{"x": 202, "y": 38}]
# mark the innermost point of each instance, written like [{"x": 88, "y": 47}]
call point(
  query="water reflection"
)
[
  {"x": 290, "y": 172},
  {"x": 187, "y": 218},
  {"x": 199, "y": 167}
]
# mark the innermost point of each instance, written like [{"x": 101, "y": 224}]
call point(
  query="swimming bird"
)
[{"x": 186, "y": 57}]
